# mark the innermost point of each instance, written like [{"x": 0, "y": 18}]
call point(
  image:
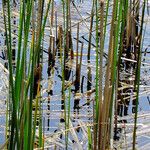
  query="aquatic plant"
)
[
  {"x": 114, "y": 31},
  {"x": 22, "y": 81}
]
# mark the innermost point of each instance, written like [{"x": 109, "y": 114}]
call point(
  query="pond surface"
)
[{"x": 81, "y": 113}]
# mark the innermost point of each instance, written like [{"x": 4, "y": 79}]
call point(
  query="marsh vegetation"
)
[{"x": 74, "y": 74}]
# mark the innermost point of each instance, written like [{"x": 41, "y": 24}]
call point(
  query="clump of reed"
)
[
  {"x": 124, "y": 14},
  {"x": 22, "y": 126}
]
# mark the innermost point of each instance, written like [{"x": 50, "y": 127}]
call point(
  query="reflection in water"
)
[
  {"x": 67, "y": 73},
  {"x": 82, "y": 84},
  {"x": 50, "y": 72},
  {"x": 48, "y": 114},
  {"x": 126, "y": 91},
  {"x": 76, "y": 108},
  {"x": 14, "y": 42},
  {"x": 125, "y": 95}
]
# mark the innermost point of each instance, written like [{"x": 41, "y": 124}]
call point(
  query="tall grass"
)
[
  {"x": 96, "y": 80},
  {"x": 101, "y": 38},
  {"x": 106, "y": 98},
  {"x": 21, "y": 86}
]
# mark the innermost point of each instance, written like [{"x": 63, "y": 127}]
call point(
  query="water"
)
[{"x": 53, "y": 114}]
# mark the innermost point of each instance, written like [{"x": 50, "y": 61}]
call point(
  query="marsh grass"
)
[
  {"x": 24, "y": 113},
  {"x": 22, "y": 136},
  {"x": 106, "y": 105}
]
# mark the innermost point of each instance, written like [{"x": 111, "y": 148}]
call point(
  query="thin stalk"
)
[
  {"x": 96, "y": 85},
  {"x": 11, "y": 83},
  {"x": 138, "y": 71},
  {"x": 101, "y": 67},
  {"x": 115, "y": 60},
  {"x": 89, "y": 139}
]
